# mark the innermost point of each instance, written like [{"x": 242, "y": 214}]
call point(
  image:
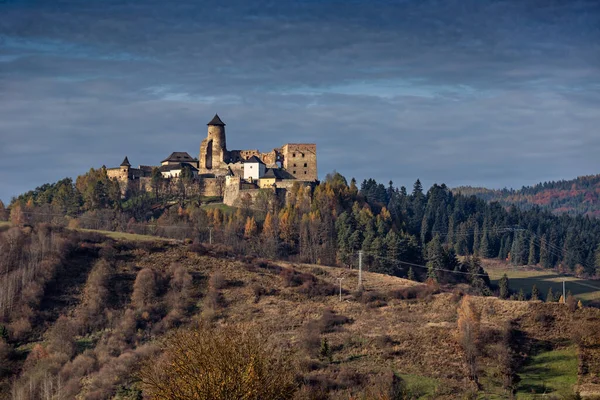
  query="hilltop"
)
[
  {"x": 580, "y": 196},
  {"x": 105, "y": 306}
]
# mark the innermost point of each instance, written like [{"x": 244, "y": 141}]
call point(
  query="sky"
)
[{"x": 463, "y": 92}]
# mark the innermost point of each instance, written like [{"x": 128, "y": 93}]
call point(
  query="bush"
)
[
  {"x": 330, "y": 321},
  {"x": 218, "y": 363},
  {"x": 414, "y": 292},
  {"x": 144, "y": 289},
  {"x": 217, "y": 281}
]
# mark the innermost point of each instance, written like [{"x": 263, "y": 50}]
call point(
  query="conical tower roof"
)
[
  {"x": 216, "y": 121},
  {"x": 125, "y": 163}
]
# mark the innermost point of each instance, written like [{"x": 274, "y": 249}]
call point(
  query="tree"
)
[
  {"x": 504, "y": 288},
  {"x": 435, "y": 257},
  {"x": 532, "y": 252},
  {"x": 411, "y": 274},
  {"x": 521, "y": 296},
  {"x": 468, "y": 335},
  {"x": 219, "y": 363},
  {"x": 550, "y": 296},
  {"x": 250, "y": 228},
  {"x": 535, "y": 293},
  {"x": 156, "y": 182},
  {"x": 325, "y": 350}
]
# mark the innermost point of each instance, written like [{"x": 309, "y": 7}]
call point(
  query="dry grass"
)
[{"x": 127, "y": 236}]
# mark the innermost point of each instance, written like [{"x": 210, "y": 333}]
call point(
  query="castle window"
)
[
  {"x": 302, "y": 154},
  {"x": 305, "y": 165},
  {"x": 304, "y": 172},
  {"x": 294, "y": 172},
  {"x": 293, "y": 154},
  {"x": 294, "y": 165}
]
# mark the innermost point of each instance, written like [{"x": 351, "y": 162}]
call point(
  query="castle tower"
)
[
  {"x": 213, "y": 149},
  {"x": 125, "y": 165}
]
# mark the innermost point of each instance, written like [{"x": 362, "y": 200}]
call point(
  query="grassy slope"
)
[
  {"x": 525, "y": 277},
  {"x": 550, "y": 372},
  {"x": 126, "y": 236},
  {"x": 414, "y": 338}
]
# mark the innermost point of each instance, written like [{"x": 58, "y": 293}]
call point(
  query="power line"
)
[{"x": 425, "y": 266}]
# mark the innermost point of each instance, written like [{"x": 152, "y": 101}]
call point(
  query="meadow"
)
[{"x": 524, "y": 277}]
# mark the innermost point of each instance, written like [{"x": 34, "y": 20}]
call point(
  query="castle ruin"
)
[{"x": 228, "y": 173}]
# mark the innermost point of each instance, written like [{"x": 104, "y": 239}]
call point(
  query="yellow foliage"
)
[{"x": 218, "y": 363}]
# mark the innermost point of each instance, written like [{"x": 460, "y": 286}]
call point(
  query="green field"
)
[
  {"x": 551, "y": 373},
  {"x": 223, "y": 207},
  {"x": 525, "y": 277}
]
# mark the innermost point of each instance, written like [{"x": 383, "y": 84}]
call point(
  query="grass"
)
[
  {"x": 421, "y": 387},
  {"x": 221, "y": 206},
  {"x": 525, "y": 277},
  {"x": 124, "y": 235},
  {"x": 550, "y": 372}
]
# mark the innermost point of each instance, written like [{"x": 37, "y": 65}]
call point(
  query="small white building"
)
[
  {"x": 254, "y": 169},
  {"x": 175, "y": 170}
]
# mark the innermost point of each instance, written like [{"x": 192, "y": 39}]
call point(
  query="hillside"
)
[
  {"x": 580, "y": 196},
  {"x": 106, "y": 306}
]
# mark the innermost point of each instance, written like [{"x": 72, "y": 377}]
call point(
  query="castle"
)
[{"x": 228, "y": 173}]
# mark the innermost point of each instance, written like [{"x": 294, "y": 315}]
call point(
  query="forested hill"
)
[
  {"x": 579, "y": 196},
  {"x": 396, "y": 230}
]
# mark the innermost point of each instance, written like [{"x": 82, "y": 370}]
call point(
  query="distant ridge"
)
[{"x": 580, "y": 196}]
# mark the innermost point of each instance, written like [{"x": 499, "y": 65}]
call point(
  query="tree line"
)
[{"x": 422, "y": 234}]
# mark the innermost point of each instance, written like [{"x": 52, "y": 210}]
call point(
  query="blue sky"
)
[{"x": 464, "y": 92}]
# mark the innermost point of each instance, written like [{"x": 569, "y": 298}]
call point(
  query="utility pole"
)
[
  {"x": 360, "y": 269},
  {"x": 340, "y": 281},
  {"x": 564, "y": 295}
]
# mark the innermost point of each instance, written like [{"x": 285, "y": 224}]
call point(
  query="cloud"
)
[{"x": 491, "y": 93}]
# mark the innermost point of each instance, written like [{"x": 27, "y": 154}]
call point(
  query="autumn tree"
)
[
  {"x": 468, "y": 335},
  {"x": 144, "y": 289},
  {"x": 217, "y": 363}
]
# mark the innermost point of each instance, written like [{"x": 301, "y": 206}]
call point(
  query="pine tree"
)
[
  {"x": 325, "y": 350},
  {"x": 411, "y": 274},
  {"x": 544, "y": 259},
  {"x": 476, "y": 239},
  {"x": 550, "y": 296},
  {"x": 521, "y": 296},
  {"x": 535, "y": 293},
  {"x": 504, "y": 288},
  {"x": 532, "y": 260},
  {"x": 435, "y": 258},
  {"x": 484, "y": 245}
]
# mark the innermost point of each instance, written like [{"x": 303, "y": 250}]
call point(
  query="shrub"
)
[
  {"x": 414, "y": 292},
  {"x": 330, "y": 321},
  {"x": 218, "y": 363},
  {"x": 144, "y": 289},
  {"x": 217, "y": 281}
]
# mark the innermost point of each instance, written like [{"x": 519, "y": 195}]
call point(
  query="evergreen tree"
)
[
  {"x": 325, "y": 350},
  {"x": 544, "y": 259},
  {"x": 535, "y": 293},
  {"x": 521, "y": 296},
  {"x": 411, "y": 274},
  {"x": 504, "y": 288},
  {"x": 484, "y": 245},
  {"x": 532, "y": 260},
  {"x": 476, "y": 239},
  {"x": 435, "y": 258},
  {"x": 550, "y": 296}
]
